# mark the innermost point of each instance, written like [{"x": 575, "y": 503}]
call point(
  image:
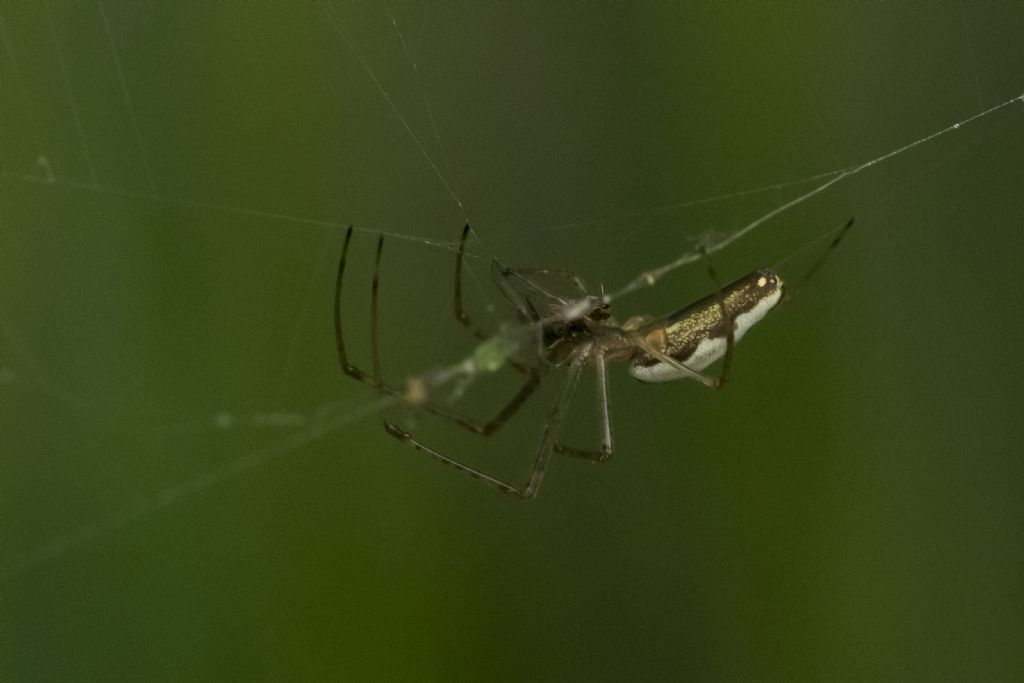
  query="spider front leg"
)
[
  {"x": 413, "y": 391},
  {"x": 420, "y": 399},
  {"x": 460, "y": 310},
  {"x": 551, "y": 431}
]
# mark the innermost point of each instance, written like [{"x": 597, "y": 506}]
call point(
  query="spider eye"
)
[
  {"x": 600, "y": 310},
  {"x": 769, "y": 279}
]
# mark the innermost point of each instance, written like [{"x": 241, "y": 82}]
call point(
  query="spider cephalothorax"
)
[{"x": 569, "y": 325}]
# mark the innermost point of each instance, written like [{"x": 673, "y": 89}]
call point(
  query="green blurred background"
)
[{"x": 192, "y": 491}]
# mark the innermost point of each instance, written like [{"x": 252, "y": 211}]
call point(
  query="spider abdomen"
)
[{"x": 697, "y": 336}]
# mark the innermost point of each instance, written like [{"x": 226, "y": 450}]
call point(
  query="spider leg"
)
[
  {"x": 547, "y": 444},
  {"x": 792, "y": 290},
  {"x": 552, "y": 431},
  {"x": 574, "y": 279},
  {"x": 607, "y": 442},
  {"x": 525, "y": 309},
  {"x": 556, "y": 415},
  {"x": 389, "y": 426},
  {"x": 460, "y": 311},
  {"x": 730, "y": 344},
  {"x": 376, "y": 380},
  {"x": 730, "y": 321},
  {"x": 651, "y": 350},
  {"x": 408, "y": 439},
  {"x": 348, "y": 368}
]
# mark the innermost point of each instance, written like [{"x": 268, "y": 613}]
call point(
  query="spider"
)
[{"x": 573, "y": 334}]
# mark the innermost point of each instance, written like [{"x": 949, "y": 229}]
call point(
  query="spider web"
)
[{"x": 178, "y": 179}]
